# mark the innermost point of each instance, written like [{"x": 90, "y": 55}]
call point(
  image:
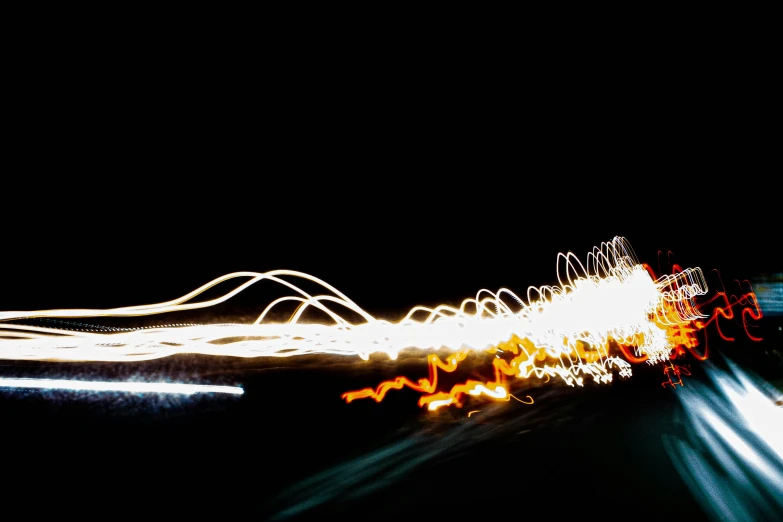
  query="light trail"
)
[
  {"x": 730, "y": 453},
  {"x": 607, "y": 307},
  {"x": 108, "y": 386}
]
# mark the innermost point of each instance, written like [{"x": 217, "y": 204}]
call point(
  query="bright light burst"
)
[{"x": 607, "y": 307}]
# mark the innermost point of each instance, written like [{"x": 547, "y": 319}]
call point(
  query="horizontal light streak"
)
[{"x": 110, "y": 386}]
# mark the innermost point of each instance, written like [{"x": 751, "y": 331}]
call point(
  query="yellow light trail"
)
[{"x": 562, "y": 331}]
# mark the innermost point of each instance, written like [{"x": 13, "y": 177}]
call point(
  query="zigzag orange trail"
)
[{"x": 609, "y": 307}]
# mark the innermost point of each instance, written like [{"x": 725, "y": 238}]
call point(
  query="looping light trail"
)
[{"x": 610, "y": 306}]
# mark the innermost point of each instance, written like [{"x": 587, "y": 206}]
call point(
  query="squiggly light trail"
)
[{"x": 564, "y": 331}]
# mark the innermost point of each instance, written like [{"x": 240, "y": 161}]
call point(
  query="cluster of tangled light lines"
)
[{"x": 602, "y": 314}]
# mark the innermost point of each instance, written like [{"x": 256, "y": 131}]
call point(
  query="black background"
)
[{"x": 419, "y": 192}]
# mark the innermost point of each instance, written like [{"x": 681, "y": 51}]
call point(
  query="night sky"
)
[{"x": 390, "y": 223}]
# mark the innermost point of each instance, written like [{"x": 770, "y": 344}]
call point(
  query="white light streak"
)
[
  {"x": 731, "y": 456},
  {"x": 563, "y": 330},
  {"x": 614, "y": 297},
  {"x": 108, "y": 386}
]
